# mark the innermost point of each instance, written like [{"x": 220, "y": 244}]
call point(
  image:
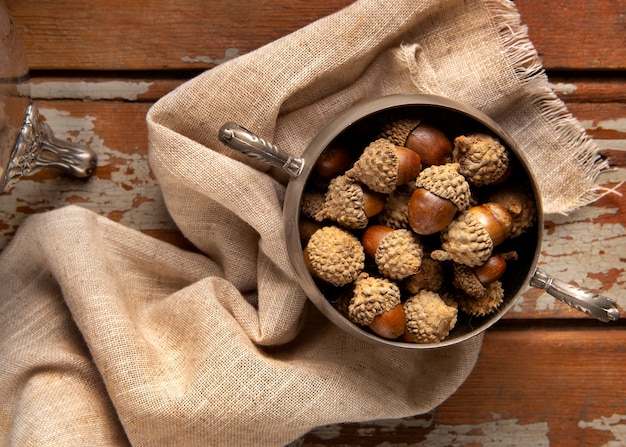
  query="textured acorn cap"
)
[
  {"x": 465, "y": 279},
  {"x": 344, "y": 203},
  {"x": 395, "y": 213},
  {"x": 373, "y": 296},
  {"x": 399, "y": 254},
  {"x": 428, "y": 318},
  {"x": 465, "y": 241},
  {"x": 446, "y": 182},
  {"x": 397, "y": 131},
  {"x": 430, "y": 276},
  {"x": 482, "y": 158},
  {"x": 312, "y": 204},
  {"x": 377, "y": 167},
  {"x": 485, "y": 304},
  {"x": 335, "y": 255}
]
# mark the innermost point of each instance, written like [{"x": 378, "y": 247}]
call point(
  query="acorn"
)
[
  {"x": 397, "y": 253},
  {"x": 481, "y": 157},
  {"x": 494, "y": 267},
  {"x": 428, "y": 141},
  {"x": 383, "y": 166},
  {"x": 395, "y": 213},
  {"x": 349, "y": 203},
  {"x": 441, "y": 192},
  {"x": 495, "y": 219},
  {"x": 430, "y": 276},
  {"x": 333, "y": 161},
  {"x": 470, "y": 238},
  {"x": 519, "y": 201},
  {"x": 312, "y": 203},
  {"x": 334, "y": 255},
  {"x": 376, "y": 304},
  {"x": 428, "y": 318},
  {"x": 484, "y": 304},
  {"x": 307, "y": 227}
]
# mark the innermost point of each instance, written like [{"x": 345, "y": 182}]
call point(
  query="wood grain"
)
[{"x": 164, "y": 35}]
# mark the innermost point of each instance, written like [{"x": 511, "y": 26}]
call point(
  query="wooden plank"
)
[
  {"x": 570, "y": 34},
  {"x": 147, "y": 87},
  {"x": 550, "y": 387},
  {"x": 120, "y": 35}
]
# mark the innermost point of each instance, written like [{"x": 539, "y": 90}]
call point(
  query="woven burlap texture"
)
[{"x": 110, "y": 337}]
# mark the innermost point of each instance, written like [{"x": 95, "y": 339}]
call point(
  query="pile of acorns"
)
[{"x": 406, "y": 232}]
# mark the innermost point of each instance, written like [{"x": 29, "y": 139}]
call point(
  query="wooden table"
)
[{"x": 547, "y": 375}]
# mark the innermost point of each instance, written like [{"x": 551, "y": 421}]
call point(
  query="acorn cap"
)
[
  {"x": 430, "y": 276},
  {"x": 377, "y": 167},
  {"x": 344, "y": 203},
  {"x": 335, "y": 255},
  {"x": 395, "y": 213},
  {"x": 518, "y": 200},
  {"x": 399, "y": 254},
  {"x": 485, "y": 304},
  {"x": 464, "y": 241},
  {"x": 446, "y": 182},
  {"x": 312, "y": 204},
  {"x": 373, "y": 296},
  {"x": 397, "y": 131},
  {"x": 428, "y": 318},
  {"x": 466, "y": 280},
  {"x": 482, "y": 158}
]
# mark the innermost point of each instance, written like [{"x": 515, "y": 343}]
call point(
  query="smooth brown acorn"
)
[
  {"x": 492, "y": 270},
  {"x": 397, "y": 253},
  {"x": 432, "y": 145},
  {"x": 495, "y": 219},
  {"x": 376, "y": 304},
  {"x": 333, "y": 161},
  {"x": 441, "y": 192},
  {"x": 383, "y": 166}
]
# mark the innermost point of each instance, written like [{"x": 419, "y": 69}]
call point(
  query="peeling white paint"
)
[
  {"x": 564, "y": 87},
  {"x": 571, "y": 252},
  {"x": 229, "y": 54},
  {"x": 616, "y": 424},
  {"x": 497, "y": 433},
  {"x": 120, "y": 90},
  {"x": 327, "y": 432},
  {"x": 109, "y": 197},
  {"x": 494, "y": 433},
  {"x": 618, "y": 124}
]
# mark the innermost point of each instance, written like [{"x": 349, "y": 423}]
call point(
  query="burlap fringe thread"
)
[{"x": 529, "y": 70}]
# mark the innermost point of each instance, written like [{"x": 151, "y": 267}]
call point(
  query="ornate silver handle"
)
[
  {"x": 598, "y": 306},
  {"x": 241, "y": 139},
  {"x": 37, "y": 147}
]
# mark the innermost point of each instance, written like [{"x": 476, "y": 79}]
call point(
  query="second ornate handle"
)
[
  {"x": 598, "y": 306},
  {"x": 241, "y": 139}
]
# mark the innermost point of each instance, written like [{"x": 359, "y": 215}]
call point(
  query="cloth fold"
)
[{"x": 109, "y": 337}]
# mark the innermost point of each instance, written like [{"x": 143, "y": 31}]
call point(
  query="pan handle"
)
[
  {"x": 600, "y": 307},
  {"x": 239, "y": 138}
]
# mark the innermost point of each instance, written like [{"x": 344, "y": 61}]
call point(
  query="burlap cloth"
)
[{"x": 109, "y": 337}]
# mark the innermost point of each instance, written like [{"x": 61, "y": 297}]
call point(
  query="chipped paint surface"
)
[
  {"x": 229, "y": 54},
  {"x": 494, "y": 433},
  {"x": 130, "y": 195},
  {"x": 615, "y": 424},
  {"x": 571, "y": 252},
  {"x": 616, "y": 124},
  {"x": 120, "y": 90},
  {"x": 564, "y": 88}
]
